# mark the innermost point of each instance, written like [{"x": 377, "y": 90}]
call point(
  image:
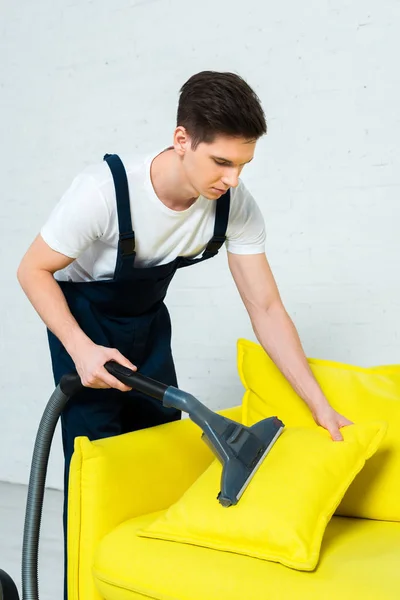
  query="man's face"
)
[{"x": 213, "y": 168}]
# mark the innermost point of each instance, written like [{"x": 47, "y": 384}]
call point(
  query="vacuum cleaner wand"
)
[{"x": 239, "y": 448}]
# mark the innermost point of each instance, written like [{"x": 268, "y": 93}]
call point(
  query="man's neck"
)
[{"x": 169, "y": 181}]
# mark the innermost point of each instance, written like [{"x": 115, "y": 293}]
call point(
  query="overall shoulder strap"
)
[
  {"x": 126, "y": 233},
  {"x": 220, "y": 226}
]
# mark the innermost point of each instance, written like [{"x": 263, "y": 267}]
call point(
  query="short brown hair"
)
[{"x": 213, "y": 103}]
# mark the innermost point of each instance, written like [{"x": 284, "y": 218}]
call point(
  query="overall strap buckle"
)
[
  {"x": 127, "y": 243},
  {"x": 214, "y": 245}
]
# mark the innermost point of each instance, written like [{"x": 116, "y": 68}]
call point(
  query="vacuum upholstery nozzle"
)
[{"x": 240, "y": 449}]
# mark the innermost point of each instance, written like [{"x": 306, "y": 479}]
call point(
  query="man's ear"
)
[{"x": 182, "y": 141}]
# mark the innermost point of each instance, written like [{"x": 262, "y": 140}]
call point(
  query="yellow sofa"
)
[{"x": 120, "y": 484}]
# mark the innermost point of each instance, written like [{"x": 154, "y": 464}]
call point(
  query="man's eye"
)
[{"x": 221, "y": 164}]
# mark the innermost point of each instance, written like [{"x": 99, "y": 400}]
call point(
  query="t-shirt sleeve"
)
[
  {"x": 246, "y": 228},
  {"x": 80, "y": 217}
]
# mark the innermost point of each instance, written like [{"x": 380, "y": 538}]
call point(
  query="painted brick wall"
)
[{"x": 79, "y": 79}]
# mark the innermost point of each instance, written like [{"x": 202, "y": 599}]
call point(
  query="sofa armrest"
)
[{"x": 115, "y": 479}]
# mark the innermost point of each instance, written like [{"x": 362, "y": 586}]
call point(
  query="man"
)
[{"x": 99, "y": 271}]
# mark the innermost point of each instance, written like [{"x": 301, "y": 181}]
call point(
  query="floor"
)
[{"x": 12, "y": 514}]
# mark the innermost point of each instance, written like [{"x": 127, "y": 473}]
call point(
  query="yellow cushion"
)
[
  {"x": 283, "y": 513},
  {"x": 361, "y": 394},
  {"x": 359, "y": 560}
]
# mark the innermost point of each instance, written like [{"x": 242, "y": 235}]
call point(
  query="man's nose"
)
[{"x": 231, "y": 178}]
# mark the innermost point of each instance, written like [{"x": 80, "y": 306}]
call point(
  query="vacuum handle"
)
[
  {"x": 137, "y": 381},
  {"x": 70, "y": 384}
]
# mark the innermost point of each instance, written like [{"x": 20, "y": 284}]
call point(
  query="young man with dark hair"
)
[{"x": 99, "y": 270}]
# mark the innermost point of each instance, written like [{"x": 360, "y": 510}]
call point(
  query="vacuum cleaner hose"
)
[{"x": 34, "y": 504}]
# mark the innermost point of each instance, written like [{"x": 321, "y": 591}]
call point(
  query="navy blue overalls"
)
[{"x": 126, "y": 312}]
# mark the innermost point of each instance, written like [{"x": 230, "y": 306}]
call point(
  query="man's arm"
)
[
  {"x": 35, "y": 275},
  {"x": 277, "y": 334}
]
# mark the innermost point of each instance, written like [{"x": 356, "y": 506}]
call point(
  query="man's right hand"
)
[
  {"x": 36, "y": 276},
  {"x": 89, "y": 361}
]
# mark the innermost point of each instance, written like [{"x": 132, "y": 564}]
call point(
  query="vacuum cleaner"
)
[{"x": 240, "y": 449}]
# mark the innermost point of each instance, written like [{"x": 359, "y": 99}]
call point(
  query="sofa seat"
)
[{"x": 359, "y": 560}]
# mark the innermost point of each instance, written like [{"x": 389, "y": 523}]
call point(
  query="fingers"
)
[
  {"x": 120, "y": 358},
  {"x": 112, "y": 381},
  {"x": 335, "y": 434},
  {"x": 334, "y": 429},
  {"x": 95, "y": 375},
  {"x": 101, "y": 379},
  {"x": 332, "y": 421}
]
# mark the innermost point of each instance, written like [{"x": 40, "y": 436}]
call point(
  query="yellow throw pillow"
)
[
  {"x": 361, "y": 394},
  {"x": 284, "y": 511}
]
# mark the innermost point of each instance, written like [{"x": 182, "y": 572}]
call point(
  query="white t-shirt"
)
[{"x": 84, "y": 223}]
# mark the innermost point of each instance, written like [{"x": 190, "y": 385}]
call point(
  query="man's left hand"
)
[{"x": 331, "y": 420}]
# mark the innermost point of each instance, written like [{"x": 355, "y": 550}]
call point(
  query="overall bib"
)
[{"x": 126, "y": 312}]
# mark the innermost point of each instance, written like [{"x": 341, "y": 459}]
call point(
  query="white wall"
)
[{"x": 82, "y": 78}]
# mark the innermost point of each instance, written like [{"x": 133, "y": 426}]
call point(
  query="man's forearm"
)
[
  {"x": 49, "y": 302},
  {"x": 277, "y": 334}
]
